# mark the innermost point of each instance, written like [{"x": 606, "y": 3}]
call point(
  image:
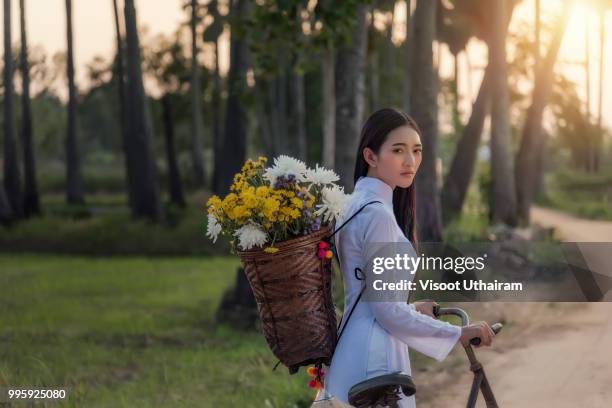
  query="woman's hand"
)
[
  {"x": 478, "y": 329},
  {"x": 426, "y": 307}
]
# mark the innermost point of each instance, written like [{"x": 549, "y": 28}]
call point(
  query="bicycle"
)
[
  {"x": 480, "y": 378},
  {"x": 383, "y": 391}
]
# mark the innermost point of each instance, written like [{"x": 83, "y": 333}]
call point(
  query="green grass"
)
[
  {"x": 468, "y": 227},
  {"x": 105, "y": 227},
  {"x": 582, "y": 194},
  {"x": 134, "y": 332}
]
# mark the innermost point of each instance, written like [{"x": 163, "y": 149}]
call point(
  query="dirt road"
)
[
  {"x": 568, "y": 364},
  {"x": 572, "y": 228},
  {"x": 561, "y": 359}
]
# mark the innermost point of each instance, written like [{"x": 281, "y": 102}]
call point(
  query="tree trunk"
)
[
  {"x": 174, "y": 176},
  {"x": 262, "y": 117},
  {"x": 587, "y": 64},
  {"x": 196, "y": 105},
  {"x": 540, "y": 160},
  {"x": 299, "y": 114},
  {"x": 279, "y": 107},
  {"x": 526, "y": 161},
  {"x": 349, "y": 76},
  {"x": 456, "y": 113},
  {"x": 31, "y": 202},
  {"x": 537, "y": 32},
  {"x": 140, "y": 152},
  {"x": 238, "y": 307},
  {"x": 6, "y": 214},
  {"x": 374, "y": 83},
  {"x": 120, "y": 77},
  {"x": 233, "y": 151},
  {"x": 216, "y": 111},
  {"x": 270, "y": 99},
  {"x": 12, "y": 179},
  {"x": 388, "y": 74},
  {"x": 464, "y": 161},
  {"x": 503, "y": 192},
  {"x": 373, "y": 74},
  {"x": 425, "y": 113},
  {"x": 602, "y": 41},
  {"x": 329, "y": 107},
  {"x": 261, "y": 112},
  {"x": 74, "y": 182},
  {"x": 409, "y": 50}
]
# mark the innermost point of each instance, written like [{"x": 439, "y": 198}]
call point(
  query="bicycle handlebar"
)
[{"x": 465, "y": 320}]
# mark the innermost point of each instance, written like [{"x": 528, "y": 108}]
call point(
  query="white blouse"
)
[{"x": 378, "y": 334}]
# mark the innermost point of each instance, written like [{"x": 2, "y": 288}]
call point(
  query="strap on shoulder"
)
[{"x": 358, "y": 272}]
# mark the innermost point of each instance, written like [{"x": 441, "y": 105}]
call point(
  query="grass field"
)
[
  {"x": 582, "y": 194},
  {"x": 134, "y": 332}
]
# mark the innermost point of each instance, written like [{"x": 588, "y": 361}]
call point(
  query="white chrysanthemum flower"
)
[
  {"x": 284, "y": 166},
  {"x": 321, "y": 176},
  {"x": 250, "y": 235},
  {"x": 213, "y": 228},
  {"x": 334, "y": 202}
]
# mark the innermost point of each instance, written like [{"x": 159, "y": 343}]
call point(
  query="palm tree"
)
[
  {"x": 455, "y": 27},
  {"x": 74, "y": 184},
  {"x": 139, "y": 149},
  {"x": 169, "y": 67},
  {"x": 233, "y": 149},
  {"x": 5, "y": 208},
  {"x": 464, "y": 161},
  {"x": 329, "y": 105},
  {"x": 120, "y": 78},
  {"x": 602, "y": 40},
  {"x": 424, "y": 107},
  {"x": 174, "y": 176},
  {"x": 196, "y": 105},
  {"x": 12, "y": 183},
  {"x": 531, "y": 141},
  {"x": 587, "y": 64},
  {"x": 503, "y": 193},
  {"x": 537, "y": 32},
  {"x": 31, "y": 203},
  {"x": 212, "y": 34},
  {"x": 350, "y": 86},
  {"x": 296, "y": 88},
  {"x": 408, "y": 46}
]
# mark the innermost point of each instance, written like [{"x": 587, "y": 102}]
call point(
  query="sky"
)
[{"x": 93, "y": 27}]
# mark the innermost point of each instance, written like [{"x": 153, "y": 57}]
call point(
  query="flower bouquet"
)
[{"x": 280, "y": 219}]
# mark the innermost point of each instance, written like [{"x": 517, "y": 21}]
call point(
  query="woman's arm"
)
[{"x": 425, "y": 334}]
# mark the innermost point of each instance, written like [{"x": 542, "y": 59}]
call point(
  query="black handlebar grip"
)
[{"x": 496, "y": 329}]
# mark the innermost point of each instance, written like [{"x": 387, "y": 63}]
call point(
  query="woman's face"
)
[{"x": 399, "y": 158}]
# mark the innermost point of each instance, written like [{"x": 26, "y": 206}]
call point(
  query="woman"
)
[{"x": 376, "y": 338}]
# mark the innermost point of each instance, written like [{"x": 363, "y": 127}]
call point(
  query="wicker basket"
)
[{"x": 292, "y": 288}]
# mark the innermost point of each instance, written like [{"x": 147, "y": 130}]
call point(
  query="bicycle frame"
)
[{"x": 480, "y": 378}]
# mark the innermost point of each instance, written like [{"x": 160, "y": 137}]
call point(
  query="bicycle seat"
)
[{"x": 381, "y": 391}]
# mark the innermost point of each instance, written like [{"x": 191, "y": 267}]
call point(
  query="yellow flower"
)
[
  {"x": 297, "y": 202},
  {"x": 214, "y": 202},
  {"x": 262, "y": 191},
  {"x": 289, "y": 213},
  {"x": 248, "y": 197},
  {"x": 271, "y": 250},
  {"x": 270, "y": 206}
]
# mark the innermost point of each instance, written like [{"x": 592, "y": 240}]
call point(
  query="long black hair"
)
[{"x": 373, "y": 135}]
